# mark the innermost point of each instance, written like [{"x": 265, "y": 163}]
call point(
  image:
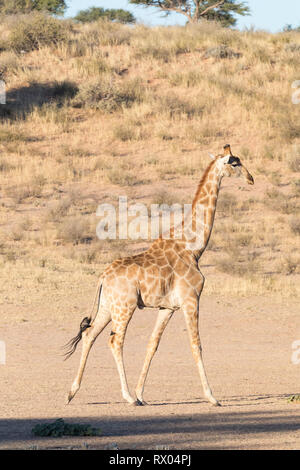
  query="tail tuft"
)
[{"x": 72, "y": 344}]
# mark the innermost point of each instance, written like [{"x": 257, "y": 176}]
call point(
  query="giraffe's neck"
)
[{"x": 206, "y": 197}]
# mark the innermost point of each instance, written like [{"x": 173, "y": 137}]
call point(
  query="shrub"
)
[
  {"x": 221, "y": 52},
  {"x": 161, "y": 52},
  {"x": 122, "y": 178},
  {"x": 59, "y": 210},
  {"x": 296, "y": 188},
  {"x": 63, "y": 90},
  {"x": 74, "y": 230},
  {"x": 59, "y": 428},
  {"x": 32, "y": 189},
  {"x": 177, "y": 106},
  {"x": 276, "y": 200},
  {"x": 124, "y": 132},
  {"x": 237, "y": 267},
  {"x": 294, "y": 223},
  {"x": 108, "y": 95},
  {"x": 288, "y": 265},
  {"x": 10, "y": 136},
  {"x": 8, "y": 62},
  {"x": 293, "y": 47},
  {"x": 33, "y": 31},
  {"x": 294, "y": 163}
]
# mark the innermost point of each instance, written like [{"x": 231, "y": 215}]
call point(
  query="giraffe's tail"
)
[
  {"x": 85, "y": 323},
  {"x": 72, "y": 344}
]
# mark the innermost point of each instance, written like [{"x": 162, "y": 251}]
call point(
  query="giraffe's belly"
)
[{"x": 159, "y": 295}]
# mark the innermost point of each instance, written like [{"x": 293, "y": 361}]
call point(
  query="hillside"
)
[{"x": 103, "y": 110}]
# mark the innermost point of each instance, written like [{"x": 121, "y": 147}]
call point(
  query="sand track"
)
[{"x": 247, "y": 353}]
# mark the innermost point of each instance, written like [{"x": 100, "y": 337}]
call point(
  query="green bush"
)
[
  {"x": 96, "y": 13},
  {"x": 13, "y": 7}
]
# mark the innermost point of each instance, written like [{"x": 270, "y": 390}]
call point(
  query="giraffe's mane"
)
[{"x": 203, "y": 180}]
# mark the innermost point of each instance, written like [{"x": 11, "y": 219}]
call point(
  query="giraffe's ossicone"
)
[{"x": 166, "y": 276}]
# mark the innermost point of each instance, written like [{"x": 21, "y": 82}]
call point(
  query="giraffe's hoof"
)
[
  {"x": 138, "y": 403},
  {"x": 216, "y": 403},
  {"x": 69, "y": 398}
]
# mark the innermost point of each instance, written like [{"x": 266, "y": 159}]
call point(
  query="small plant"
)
[
  {"x": 5, "y": 165},
  {"x": 59, "y": 428},
  {"x": 288, "y": 265},
  {"x": 295, "y": 399},
  {"x": 294, "y": 223},
  {"x": 294, "y": 163},
  {"x": 296, "y": 188},
  {"x": 16, "y": 234},
  {"x": 243, "y": 239},
  {"x": 275, "y": 178}
]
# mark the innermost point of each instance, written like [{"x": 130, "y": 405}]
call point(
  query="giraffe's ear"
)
[{"x": 211, "y": 156}]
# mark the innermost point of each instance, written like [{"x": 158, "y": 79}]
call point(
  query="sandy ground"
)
[{"x": 247, "y": 346}]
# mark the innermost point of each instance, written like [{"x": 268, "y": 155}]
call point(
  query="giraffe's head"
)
[{"x": 231, "y": 165}]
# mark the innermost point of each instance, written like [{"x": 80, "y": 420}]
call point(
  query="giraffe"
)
[{"x": 167, "y": 277}]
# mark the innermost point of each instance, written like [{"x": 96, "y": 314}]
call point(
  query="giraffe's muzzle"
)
[{"x": 249, "y": 178}]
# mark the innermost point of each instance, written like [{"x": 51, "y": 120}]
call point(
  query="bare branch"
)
[
  {"x": 178, "y": 10},
  {"x": 212, "y": 7}
]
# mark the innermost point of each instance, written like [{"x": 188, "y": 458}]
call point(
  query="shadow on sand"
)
[{"x": 209, "y": 429}]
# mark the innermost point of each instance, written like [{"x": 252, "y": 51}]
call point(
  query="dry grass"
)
[{"x": 99, "y": 110}]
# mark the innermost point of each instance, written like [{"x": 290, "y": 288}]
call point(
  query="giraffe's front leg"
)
[
  {"x": 116, "y": 342},
  {"x": 191, "y": 314},
  {"x": 161, "y": 323}
]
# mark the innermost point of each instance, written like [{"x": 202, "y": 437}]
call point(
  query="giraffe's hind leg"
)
[
  {"x": 88, "y": 338},
  {"x": 163, "y": 318},
  {"x": 116, "y": 342}
]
